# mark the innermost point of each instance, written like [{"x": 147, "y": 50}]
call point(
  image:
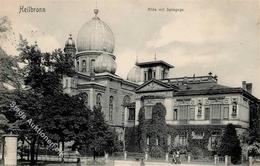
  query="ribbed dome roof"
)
[
  {"x": 134, "y": 74},
  {"x": 95, "y": 35},
  {"x": 105, "y": 63}
]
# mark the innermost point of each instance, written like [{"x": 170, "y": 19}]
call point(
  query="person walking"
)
[
  {"x": 174, "y": 158},
  {"x": 142, "y": 162},
  {"x": 78, "y": 157},
  {"x": 178, "y": 159}
]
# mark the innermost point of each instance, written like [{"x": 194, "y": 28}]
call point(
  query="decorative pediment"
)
[{"x": 154, "y": 85}]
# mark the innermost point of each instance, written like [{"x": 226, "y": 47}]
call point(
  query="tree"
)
[
  {"x": 10, "y": 71},
  {"x": 5, "y": 25},
  {"x": 102, "y": 138},
  {"x": 45, "y": 101},
  {"x": 230, "y": 144}
]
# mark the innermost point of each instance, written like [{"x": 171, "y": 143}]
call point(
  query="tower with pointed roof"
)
[{"x": 70, "y": 47}]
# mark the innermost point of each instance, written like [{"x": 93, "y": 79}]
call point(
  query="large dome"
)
[{"x": 95, "y": 35}]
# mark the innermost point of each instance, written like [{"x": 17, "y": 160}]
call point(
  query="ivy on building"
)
[{"x": 152, "y": 133}]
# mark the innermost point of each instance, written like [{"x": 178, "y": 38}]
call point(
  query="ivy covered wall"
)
[
  {"x": 199, "y": 139},
  {"x": 254, "y": 125},
  {"x": 150, "y": 134}
]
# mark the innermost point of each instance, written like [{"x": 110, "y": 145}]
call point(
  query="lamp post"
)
[{"x": 124, "y": 128}]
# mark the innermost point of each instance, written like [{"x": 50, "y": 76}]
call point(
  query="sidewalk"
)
[{"x": 148, "y": 163}]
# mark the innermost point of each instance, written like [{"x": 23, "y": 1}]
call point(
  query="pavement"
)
[{"x": 137, "y": 163}]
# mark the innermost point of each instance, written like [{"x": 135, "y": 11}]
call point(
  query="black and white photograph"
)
[{"x": 129, "y": 82}]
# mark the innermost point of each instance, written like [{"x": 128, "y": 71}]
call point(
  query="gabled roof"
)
[{"x": 155, "y": 85}]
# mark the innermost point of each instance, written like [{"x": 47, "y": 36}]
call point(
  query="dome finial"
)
[
  {"x": 155, "y": 55},
  {"x": 96, "y": 12},
  {"x": 136, "y": 60}
]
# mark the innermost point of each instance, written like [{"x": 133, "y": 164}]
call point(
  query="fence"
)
[
  {"x": 116, "y": 158},
  {"x": 165, "y": 158},
  {"x": 222, "y": 160}
]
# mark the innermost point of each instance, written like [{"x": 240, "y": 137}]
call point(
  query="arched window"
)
[
  {"x": 145, "y": 76},
  {"x": 147, "y": 140},
  {"x": 84, "y": 66},
  {"x": 111, "y": 105},
  {"x": 66, "y": 83},
  {"x": 126, "y": 102},
  {"x": 85, "y": 98},
  {"x": 169, "y": 140},
  {"x": 150, "y": 74},
  {"x": 199, "y": 110},
  {"x": 92, "y": 65},
  {"x": 98, "y": 99},
  {"x": 156, "y": 141},
  {"x": 73, "y": 83},
  {"x": 77, "y": 66},
  {"x": 234, "y": 108}
]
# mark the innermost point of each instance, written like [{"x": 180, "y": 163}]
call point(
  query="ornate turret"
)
[{"x": 70, "y": 47}]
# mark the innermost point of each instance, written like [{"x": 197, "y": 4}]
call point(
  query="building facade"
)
[{"x": 197, "y": 107}]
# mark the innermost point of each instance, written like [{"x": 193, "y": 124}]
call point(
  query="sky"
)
[{"x": 221, "y": 36}]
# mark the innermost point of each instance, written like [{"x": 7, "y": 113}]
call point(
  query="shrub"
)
[
  {"x": 196, "y": 152},
  {"x": 254, "y": 149},
  {"x": 230, "y": 144},
  {"x": 181, "y": 148}
]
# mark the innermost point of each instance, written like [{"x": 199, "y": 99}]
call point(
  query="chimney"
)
[
  {"x": 249, "y": 87},
  {"x": 244, "y": 85}
]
